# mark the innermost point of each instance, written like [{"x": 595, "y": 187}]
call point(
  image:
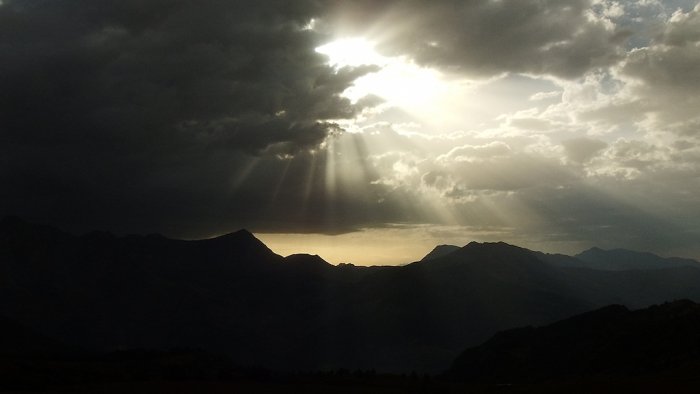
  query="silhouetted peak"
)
[
  {"x": 440, "y": 251},
  {"x": 239, "y": 243},
  {"x": 240, "y": 235},
  {"x": 303, "y": 256},
  {"x": 307, "y": 260},
  {"x": 240, "y": 238},
  {"x": 488, "y": 255},
  {"x": 492, "y": 247},
  {"x": 591, "y": 253}
]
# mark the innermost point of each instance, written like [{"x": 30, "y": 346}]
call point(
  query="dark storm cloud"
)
[
  {"x": 245, "y": 73},
  {"x": 486, "y": 37},
  {"x": 122, "y": 113}
]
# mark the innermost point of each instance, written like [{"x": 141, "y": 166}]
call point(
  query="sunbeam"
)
[
  {"x": 280, "y": 181},
  {"x": 331, "y": 185},
  {"x": 310, "y": 181},
  {"x": 242, "y": 173}
]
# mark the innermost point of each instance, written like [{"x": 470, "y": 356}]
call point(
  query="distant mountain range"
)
[
  {"x": 610, "y": 342},
  {"x": 621, "y": 259},
  {"x": 233, "y": 295},
  {"x": 597, "y": 258}
]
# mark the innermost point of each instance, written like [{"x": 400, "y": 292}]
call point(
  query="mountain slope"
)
[
  {"x": 612, "y": 341},
  {"x": 440, "y": 251},
  {"x": 231, "y": 294},
  {"x": 622, "y": 259},
  {"x": 431, "y": 307}
]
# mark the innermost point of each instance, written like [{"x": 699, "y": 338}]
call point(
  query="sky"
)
[{"x": 366, "y": 132}]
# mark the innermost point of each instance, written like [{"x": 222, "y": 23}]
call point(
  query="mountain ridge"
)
[
  {"x": 619, "y": 259},
  {"x": 440, "y": 251},
  {"x": 607, "y": 342},
  {"x": 232, "y": 294}
]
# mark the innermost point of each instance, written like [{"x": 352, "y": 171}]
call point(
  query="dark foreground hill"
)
[
  {"x": 612, "y": 342},
  {"x": 234, "y": 296}
]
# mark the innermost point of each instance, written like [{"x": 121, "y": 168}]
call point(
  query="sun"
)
[
  {"x": 400, "y": 82},
  {"x": 435, "y": 100},
  {"x": 351, "y": 52}
]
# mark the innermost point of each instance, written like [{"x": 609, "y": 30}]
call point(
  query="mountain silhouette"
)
[
  {"x": 440, "y": 251},
  {"x": 622, "y": 259},
  {"x": 233, "y": 295},
  {"x": 308, "y": 262},
  {"x": 609, "y": 342}
]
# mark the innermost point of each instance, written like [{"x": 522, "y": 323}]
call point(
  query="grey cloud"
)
[
  {"x": 470, "y": 170},
  {"x": 628, "y": 111},
  {"x": 609, "y": 215},
  {"x": 437, "y": 179},
  {"x": 515, "y": 172},
  {"x": 526, "y": 123},
  {"x": 582, "y": 149},
  {"x": 687, "y": 128},
  {"x": 682, "y": 145},
  {"x": 545, "y": 95},
  {"x": 664, "y": 74},
  {"x": 555, "y": 210},
  {"x": 633, "y": 157},
  {"x": 665, "y": 68},
  {"x": 650, "y": 165},
  {"x": 476, "y": 152},
  {"x": 484, "y": 37},
  {"x": 683, "y": 29}
]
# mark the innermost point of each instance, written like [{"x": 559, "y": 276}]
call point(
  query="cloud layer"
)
[
  {"x": 486, "y": 37},
  {"x": 570, "y": 122}
]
